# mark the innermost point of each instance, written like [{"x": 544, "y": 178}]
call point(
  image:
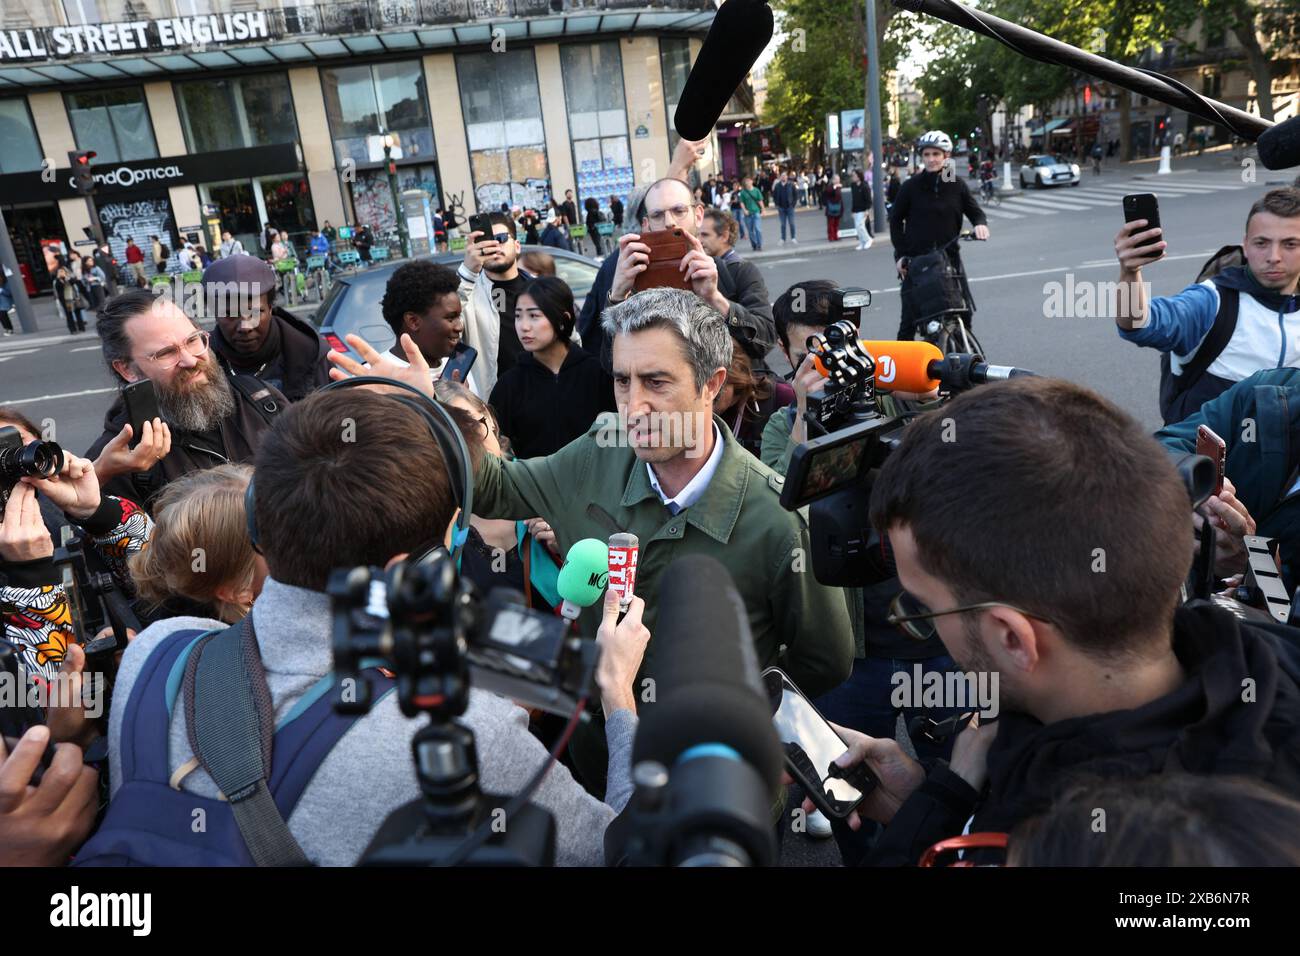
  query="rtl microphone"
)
[
  {"x": 1278, "y": 146},
  {"x": 707, "y": 761},
  {"x": 740, "y": 32},
  {"x": 623, "y": 550},
  {"x": 583, "y": 575}
]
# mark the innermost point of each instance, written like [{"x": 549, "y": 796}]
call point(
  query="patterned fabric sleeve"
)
[{"x": 130, "y": 536}]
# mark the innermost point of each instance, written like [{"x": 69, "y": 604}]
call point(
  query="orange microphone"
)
[{"x": 900, "y": 366}]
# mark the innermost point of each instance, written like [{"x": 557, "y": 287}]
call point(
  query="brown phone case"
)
[
  {"x": 667, "y": 249},
  {"x": 1214, "y": 448}
]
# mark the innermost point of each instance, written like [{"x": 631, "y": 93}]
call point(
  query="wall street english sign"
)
[{"x": 137, "y": 36}]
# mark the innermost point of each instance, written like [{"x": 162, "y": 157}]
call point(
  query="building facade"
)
[{"x": 209, "y": 115}]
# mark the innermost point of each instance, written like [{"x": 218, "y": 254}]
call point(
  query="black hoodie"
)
[
  {"x": 541, "y": 411},
  {"x": 292, "y": 359},
  {"x": 1203, "y": 727}
]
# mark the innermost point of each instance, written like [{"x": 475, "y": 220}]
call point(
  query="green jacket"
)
[
  {"x": 1259, "y": 420},
  {"x": 588, "y": 491}
]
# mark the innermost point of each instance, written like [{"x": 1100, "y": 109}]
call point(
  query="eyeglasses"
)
[
  {"x": 913, "y": 618},
  {"x": 196, "y": 345},
  {"x": 678, "y": 212}
]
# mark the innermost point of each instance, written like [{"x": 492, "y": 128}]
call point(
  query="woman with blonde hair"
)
[{"x": 200, "y": 554}]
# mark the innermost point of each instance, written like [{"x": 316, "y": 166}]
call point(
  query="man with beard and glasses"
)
[
  {"x": 254, "y": 336},
  {"x": 213, "y": 418},
  {"x": 490, "y": 283}
]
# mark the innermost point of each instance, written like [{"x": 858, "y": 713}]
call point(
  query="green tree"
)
[{"x": 1276, "y": 21}]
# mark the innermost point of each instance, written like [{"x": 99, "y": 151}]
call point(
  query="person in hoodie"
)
[
  {"x": 1227, "y": 327},
  {"x": 254, "y": 336},
  {"x": 1046, "y": 545},
  {"x": 554, "y": 236},
  {"x": 556, "y": 390}
]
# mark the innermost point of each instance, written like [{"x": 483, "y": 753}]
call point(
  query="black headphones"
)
[{"x": 445, "y": 432}]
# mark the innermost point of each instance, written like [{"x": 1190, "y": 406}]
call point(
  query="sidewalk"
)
[
  {"x": 810, "y": 230},
  {"x": 50, "y": 326}
]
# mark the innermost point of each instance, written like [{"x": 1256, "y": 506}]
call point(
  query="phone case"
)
[
  {"x": 141, "y": 403},
  {"x": 1212, "y": 447},
  {"x": 666, "y": 254}
]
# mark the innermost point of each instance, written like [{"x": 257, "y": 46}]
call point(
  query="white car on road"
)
[{"x": 1043, "y": 171}]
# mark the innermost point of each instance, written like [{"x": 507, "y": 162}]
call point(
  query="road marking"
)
[
  {"x": 51, "y": 398},
  {"x": 1054, "y": 206},
  {"x": 998, "y": 213},
  {"x": 86, "y": 348}
]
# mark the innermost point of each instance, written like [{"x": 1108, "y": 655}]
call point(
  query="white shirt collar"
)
[{"x": 696, "y": 487}]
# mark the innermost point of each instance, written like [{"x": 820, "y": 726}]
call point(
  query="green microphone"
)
[{"x": 583, "y": 576}]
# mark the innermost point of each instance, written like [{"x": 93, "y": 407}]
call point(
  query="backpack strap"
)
[
  {"x": 1215, "y": 341},
  {"x": 231, "y": 724},
  {"x": 147, "y": 716},
  {"x": 260, "y": 395}
]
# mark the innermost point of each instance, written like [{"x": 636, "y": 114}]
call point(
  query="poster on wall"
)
[
  {"x": 138, "y": 219},
  {"x": 372, "y": 196},
  {"x": 853, "y": 129},
  {"x": 530, "y": 194}
]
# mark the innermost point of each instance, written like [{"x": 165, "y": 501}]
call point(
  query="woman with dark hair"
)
[
  {"x": 745, "y": 402},
  {"x": 556, "y": 390},
  {"x": 70, "y": 293}
]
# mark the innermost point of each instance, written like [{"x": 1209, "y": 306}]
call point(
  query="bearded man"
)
[{"x": 207, "y": 418}]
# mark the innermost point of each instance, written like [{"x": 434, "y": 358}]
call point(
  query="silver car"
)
[{"x": 1043, "y": 171}]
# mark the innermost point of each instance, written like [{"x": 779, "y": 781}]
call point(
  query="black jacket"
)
[
  {"x": 541, "y": 412},
  {"x": 861, "y": 197},
  {"x": 1203, "y": 727},
  {"x": 928, "y": 212},
  {"x": 749, "y": 320},
  {"x": 292, "y": 359},
  {"x": 235, "y": 441}
]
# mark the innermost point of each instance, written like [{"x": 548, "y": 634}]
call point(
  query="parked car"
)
[
  {"x": 1043, "y": 171},
  {"x": 352, "y": 305}
]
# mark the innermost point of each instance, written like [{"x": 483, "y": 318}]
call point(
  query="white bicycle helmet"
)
[{"x": 937, "y": 138}]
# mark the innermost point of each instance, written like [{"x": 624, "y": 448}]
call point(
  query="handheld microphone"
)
[
  {"x": 740, "y": 31},
  {"x": 707, "y": 759},
  {"x": 583, "y": 576},
  {"x": 623, "y": 550},
  {"x": 920, "y": 367},
  {"x": 1278, "y": 146}
]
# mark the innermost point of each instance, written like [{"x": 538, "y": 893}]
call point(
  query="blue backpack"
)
[{"x": 218, "y": 676}]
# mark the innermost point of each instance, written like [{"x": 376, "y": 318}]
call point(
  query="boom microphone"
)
[
  {"x": 920, "y": 367},
  {"x": 1279, "y": 146},
  {"x": 710, "y": 728},
  {"x": 740, "y": 32}
]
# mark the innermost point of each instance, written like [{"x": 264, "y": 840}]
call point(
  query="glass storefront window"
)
[
  {"x": 114, "y": 123},
  {"x": 363, "y": 101},
  {"x": 22, "y": 149},
  {"x": 246, "y": 204},
  {"x": 593, "y": 92},
  {"x": 503, "y": 123},
  {"x": 372, "y": 196},
  {"x": 237, "y": 113},
  {"x": 675, "y": 61}
]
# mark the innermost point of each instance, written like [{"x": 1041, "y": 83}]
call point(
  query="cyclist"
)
[
  {"x": 987, "y": 178},
  {"x": 1096, "y": 158},
  {"x": 927, "y": 215}
]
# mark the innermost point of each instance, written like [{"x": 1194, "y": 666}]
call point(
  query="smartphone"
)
[
  {"x": 141, "y": 406},
  {"x": 667, "y": 249},
  {"x": 481, "y": 223},
  {"x": 1143, "y": 206},
  {"x": 1214, "y": 448},
  {"x": 462, "y": 360},
  {"x": 811, "y": 746}
]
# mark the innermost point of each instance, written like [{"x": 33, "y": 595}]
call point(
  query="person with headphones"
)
[{"x": 390, "y": 490}]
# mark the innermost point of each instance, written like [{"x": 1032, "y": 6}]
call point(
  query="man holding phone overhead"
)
[
  {"x": 490, "y": 283},
  {"x": 1231, "y": 323}
]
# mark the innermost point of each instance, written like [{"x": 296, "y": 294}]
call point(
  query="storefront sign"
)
[
  {"x": 151, "y": 175},
  {"x": 141, "y": 36}
]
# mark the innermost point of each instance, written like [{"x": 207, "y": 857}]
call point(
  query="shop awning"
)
[{"x": 1050, "y": 126}]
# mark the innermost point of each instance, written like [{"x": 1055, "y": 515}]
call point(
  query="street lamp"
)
[{"x": 391, "y": 141}]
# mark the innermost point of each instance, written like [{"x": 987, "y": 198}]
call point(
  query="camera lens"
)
[{"x": 40, "y": 459}]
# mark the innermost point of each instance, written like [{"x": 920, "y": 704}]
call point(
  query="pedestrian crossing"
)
[{"x": 1105, "y": 193}]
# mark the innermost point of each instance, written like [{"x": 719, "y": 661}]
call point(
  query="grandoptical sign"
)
[
  {"x": 139, "y": 36},
  {"x": 153, "y": 175}
]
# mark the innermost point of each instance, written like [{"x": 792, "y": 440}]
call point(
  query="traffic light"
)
[{"x": 83, "y": 179}]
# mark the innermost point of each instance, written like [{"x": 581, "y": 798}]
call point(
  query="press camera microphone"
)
[
  {"x": 1279, "y": 146},
  {"x": 582, "y": 577},
  {"x": 920, "y": 367},
  {"x": 740, "y": 31},
  {"x": 707, "y": 760},
  {"x": 623, "y": 550}
]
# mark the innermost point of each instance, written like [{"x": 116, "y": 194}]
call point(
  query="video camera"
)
[{"x": 435, "y": 633}]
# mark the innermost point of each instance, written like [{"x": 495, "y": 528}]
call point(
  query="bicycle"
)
[
  {"x": 989, "y": 193},
  {"x": 939, "y": 288},
  {"x": 318, "y": 277}
]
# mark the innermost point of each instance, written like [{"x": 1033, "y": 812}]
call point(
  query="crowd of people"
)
[{"x": 1114, "y": 690}]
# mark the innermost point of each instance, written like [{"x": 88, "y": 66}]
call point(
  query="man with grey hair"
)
[{"x": 669, "y": 471}]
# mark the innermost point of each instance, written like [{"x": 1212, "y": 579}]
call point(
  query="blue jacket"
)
[
  {"x": 784, "y": 195},
  {"x": 1267, "y": 333},
  {"x": 1259, "y": 420},
  {"x": 554, "y": 236}
]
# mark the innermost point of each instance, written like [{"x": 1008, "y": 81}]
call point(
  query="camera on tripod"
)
[{"x": 435, "y": 634}]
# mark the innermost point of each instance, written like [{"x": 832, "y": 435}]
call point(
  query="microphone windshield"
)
[
  {"x": 1279, "y": 146},
  {"x": 585, "y": 572},
  {"x": 737, "y": 37}
]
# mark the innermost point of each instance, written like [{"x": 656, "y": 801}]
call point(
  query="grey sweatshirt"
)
[{"x": 369, "y": 773}]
